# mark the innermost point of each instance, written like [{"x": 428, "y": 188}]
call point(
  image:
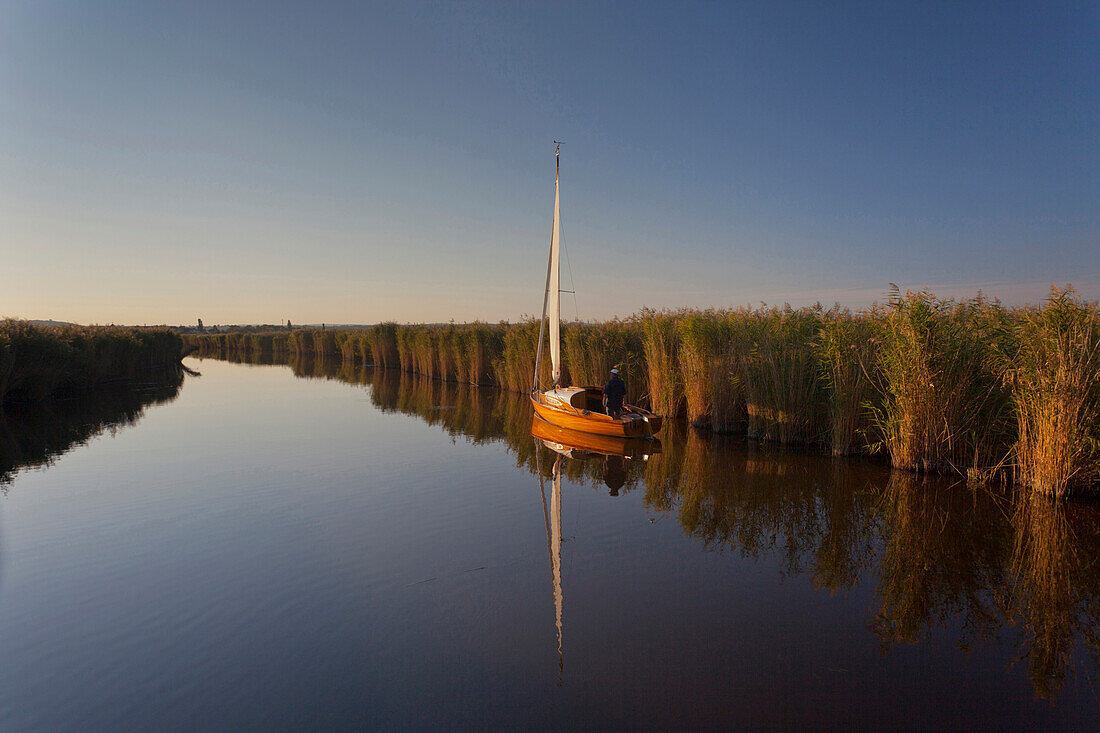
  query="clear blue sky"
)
[{"x": 354, "y": 162}]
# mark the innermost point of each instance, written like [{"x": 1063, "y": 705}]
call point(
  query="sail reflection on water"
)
[
  {"x": 572, "y": 445},
  {"x": 552, "y": 515}
]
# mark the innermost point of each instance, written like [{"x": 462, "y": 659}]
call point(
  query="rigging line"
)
[{"x": 569, "y": 265}]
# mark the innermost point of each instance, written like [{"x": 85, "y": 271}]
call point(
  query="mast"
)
[
  {"x": 554, "y": 314},
  {"x": 551, "y": 297}
]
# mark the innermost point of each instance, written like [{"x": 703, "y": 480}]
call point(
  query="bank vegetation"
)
[
  {"x": 939, "y": 386},
  {"x": 39, "y": 362}
]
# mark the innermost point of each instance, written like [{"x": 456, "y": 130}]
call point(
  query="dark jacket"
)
[{"x": 614, "y": 391}]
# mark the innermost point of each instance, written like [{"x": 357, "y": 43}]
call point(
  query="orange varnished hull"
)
[
  {"x": 592, "y": 442},
  {"x": 629, "y": 425}
]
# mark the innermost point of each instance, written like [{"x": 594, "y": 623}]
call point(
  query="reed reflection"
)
[
  {"x": 946, "y": 551},
  {"x": 818, "y": 513},
  {"x": 34, "y": 435},
  {"x": 1055, "y": 593},
  {"x": 942, "y": 556},
  {"x": 996, "y": 562}
]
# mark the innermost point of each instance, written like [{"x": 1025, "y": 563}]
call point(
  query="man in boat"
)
[{"x": 613, "y": 393}]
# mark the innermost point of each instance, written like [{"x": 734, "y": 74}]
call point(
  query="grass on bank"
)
[
  {"x": 938, "y": 385},
  {"x": 37, "y": 362}
]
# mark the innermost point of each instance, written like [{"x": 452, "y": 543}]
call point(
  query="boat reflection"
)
[
  {"x": 611, "y": 452},
  {"x": 980, "y": 564},
  {"x": 577, "y": 445}
]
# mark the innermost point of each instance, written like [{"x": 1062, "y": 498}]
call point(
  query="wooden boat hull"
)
[
  {"x": 562, "y": 439},
  {"x": 633, "y": 423}
]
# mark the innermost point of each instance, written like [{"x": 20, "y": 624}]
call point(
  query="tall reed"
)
[
  {"x": 425, "y": 356},
  {"x": 515, "y": 368},
  {"x": 353, "y": 346},
  {"x": 324, "y": 343},
  {"x": 847, "y": 349},
  {"x": 783, "y": 391},
  {"x": 591, "y": 350},
  {"x": 945, "y": 406},
  {"x": 1055, "y": 378},
  {"x": 697, "y": 356},
  {"x": 713, "y": 387},
  {"x": 383, "y": 345},
  {"x": 939, "y": 385},
  {"x": 661, "y": 345},
  {"x": 481, "y": 345}
]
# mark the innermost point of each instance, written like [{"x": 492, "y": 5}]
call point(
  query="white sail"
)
[{"x": 553, "y": 310}]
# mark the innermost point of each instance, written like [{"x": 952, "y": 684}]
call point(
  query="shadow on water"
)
[
  {"x": 979, "y": 563},
  {"x": 35, "y": 434}
]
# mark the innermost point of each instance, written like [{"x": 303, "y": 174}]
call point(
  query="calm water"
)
[{"x": 368, "y": 550}]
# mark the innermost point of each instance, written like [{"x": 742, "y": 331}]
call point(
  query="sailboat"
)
[{"x": 575, "y": 408}]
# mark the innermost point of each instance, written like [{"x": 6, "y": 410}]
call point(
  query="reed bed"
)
[
  {"x": 515, "y": 366},
  {"x": 382, "y": 340},
  {"x": 1055, "y": 381},
  {"x": 425, "y": 352},
  {"x": 480, "y": 344},
  {"x": 702, "y": 365},
  {"x": 783, "y": 391},
  {"x": 937, "y": 385},
  {"x": 945, "y": 405},
  {"x": 661, "y": 344},
  {"x": 847, "y": 350},
  {"x": 354, "y": 347},
  {"x": 591, "y": 351},
  {"x": 249, "y": 345},
  {"x": 38, "y": 362}
]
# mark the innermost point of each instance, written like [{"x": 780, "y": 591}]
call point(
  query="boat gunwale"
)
[{"x": 642, "y": 423}]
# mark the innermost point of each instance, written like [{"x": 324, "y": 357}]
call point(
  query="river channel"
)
[{"x": 324, "y": 547}]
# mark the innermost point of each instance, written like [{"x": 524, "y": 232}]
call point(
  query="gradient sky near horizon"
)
[{"x": 356, "y": 162}]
